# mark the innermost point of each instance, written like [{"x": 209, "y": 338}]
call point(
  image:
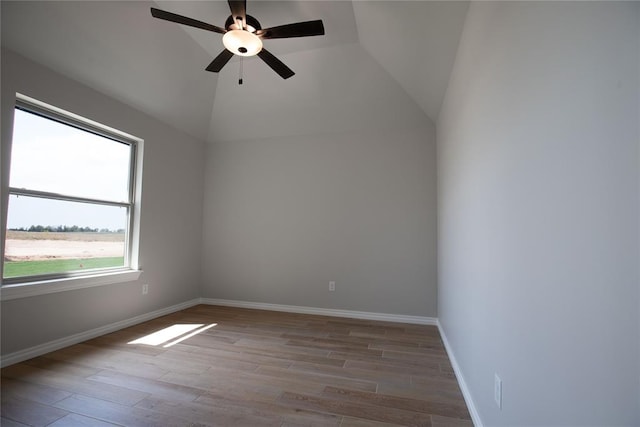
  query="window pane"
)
[
  {"x": 50, "y": 156},
  {"x": 52, "y": 236}
]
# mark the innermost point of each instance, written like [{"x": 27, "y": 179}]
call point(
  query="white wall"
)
[
  {"x": 171, "y": 221},
  {"x": 347, "y": 91},
  {"x": 538, "y": 186},
  {"x": 284, "y": 216}
]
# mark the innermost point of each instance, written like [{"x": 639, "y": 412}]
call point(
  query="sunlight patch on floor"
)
[{"x": 172, "y": 335}]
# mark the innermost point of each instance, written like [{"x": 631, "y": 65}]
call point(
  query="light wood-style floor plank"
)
[{"x": 253, "y": 368}]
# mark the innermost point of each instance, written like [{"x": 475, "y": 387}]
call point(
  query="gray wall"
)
[
  {"x": 317, "y": 187},
  {"x": 284, "y": 216},
  {"x": 538, "y": 186},
  {"x": 170, "y": 238}
]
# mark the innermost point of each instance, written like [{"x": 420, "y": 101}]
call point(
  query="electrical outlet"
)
[
  {"x": 332, "y": 286},
  {"x": 145, "y": 289},
  {"x": 497, "y": 391}
]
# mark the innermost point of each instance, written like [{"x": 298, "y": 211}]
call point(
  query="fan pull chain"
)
[{"x": 241, "y": 71}]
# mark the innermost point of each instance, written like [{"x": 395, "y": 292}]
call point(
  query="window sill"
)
[{"x": 31, "y": 289}]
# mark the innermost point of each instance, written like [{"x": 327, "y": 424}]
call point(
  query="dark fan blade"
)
[
  {"x": 239, "y": 10},
  {"x": 277, "y": 65},
  {"x": 299, "y": 29},
  {"x": 220, "y": 61},
  {"x": 168, "y": 16}
]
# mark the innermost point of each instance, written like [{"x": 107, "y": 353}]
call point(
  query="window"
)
[{"x": 72, "y": 192}]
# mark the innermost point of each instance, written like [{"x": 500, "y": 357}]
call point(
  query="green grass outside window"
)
[{"x": 34, "y": 268}]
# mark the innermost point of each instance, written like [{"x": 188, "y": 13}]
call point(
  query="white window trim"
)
[
  {"x": 16, "y": 289},
  {"x": 31, "y": 289}
]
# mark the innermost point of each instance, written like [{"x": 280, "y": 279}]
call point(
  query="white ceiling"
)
[
  {"x": 379, "y": 61},
  {"x": 416, "y": 42}
]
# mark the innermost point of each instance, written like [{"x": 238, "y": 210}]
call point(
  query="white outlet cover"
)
[{"x": 497, "y": 391}]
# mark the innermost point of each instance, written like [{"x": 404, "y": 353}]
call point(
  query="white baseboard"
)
[
  {"x": 50, "y": 346},
  {"x": 366, "y": 315},
  {"x": 475, "y": 416}
]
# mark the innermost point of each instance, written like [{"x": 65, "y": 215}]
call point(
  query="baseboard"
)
[
  {"x": 366, "y": 315},
  {"x": 50, "y": 346},
  {"x": 475, "y": 416}
]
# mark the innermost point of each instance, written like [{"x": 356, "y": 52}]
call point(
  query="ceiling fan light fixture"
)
[
  {"x": 241, "y": 42},
  {"x": 243, "y": 35}
]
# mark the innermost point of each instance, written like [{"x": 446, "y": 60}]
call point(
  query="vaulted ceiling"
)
[{"x": 381, "y": 63}]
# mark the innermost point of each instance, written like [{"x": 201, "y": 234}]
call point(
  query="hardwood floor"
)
[{"x": 253, "y": 368}]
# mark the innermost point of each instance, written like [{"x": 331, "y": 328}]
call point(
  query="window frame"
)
[{"x": 22, "y": 286}]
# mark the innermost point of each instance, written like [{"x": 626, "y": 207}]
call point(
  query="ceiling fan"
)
[{"x": 243, "y": 35}]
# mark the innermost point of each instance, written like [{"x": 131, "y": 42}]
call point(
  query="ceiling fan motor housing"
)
[
  {"x": 240, "y": 39},
  {"x": 232, "y": 24}
]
